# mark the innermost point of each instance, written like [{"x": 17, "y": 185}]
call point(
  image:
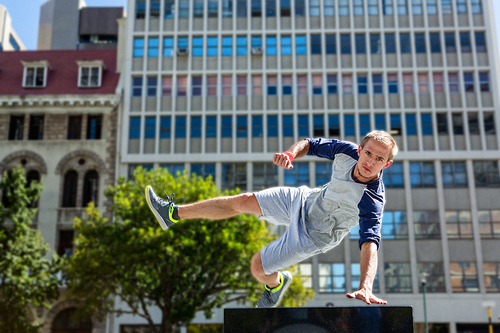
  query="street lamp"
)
[{"x": 423, "y": 281}]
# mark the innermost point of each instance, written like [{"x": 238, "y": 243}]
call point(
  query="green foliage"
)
[
  {"x": 26, "y": 276},
  {"x": 194, "y": 266}
]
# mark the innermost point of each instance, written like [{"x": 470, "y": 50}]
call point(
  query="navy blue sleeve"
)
[
  {"x": 371, "y": 208},
  {"x": 328, "y": 148}
]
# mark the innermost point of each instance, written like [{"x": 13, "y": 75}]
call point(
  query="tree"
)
[
  {"x": 26, "y": 276},
  {"x": 197, "y": 265}
]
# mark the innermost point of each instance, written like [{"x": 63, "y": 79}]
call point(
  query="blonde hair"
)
[{"x": 384, "y": 138}]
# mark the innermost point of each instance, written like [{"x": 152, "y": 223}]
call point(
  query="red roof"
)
[{"x": 62, "y": 79}]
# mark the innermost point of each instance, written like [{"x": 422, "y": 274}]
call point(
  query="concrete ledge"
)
[{"x": 372, "y": 319}]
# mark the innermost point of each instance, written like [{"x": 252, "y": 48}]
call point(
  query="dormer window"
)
[
  {"x": 90, "y": 73},
  {"x": 35, "y": 74}
]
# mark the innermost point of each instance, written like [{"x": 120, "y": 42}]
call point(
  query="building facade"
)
[
  {"x": 230, "y": 83},
  {"x": 58, "y": 119},
  {"x": 9, "y": 40}
]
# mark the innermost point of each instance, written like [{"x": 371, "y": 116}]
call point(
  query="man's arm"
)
[
  {"x": 298, "y": 150},
  {"x": 368, "y": 268}
]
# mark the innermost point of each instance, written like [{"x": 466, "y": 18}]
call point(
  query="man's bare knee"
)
[{"x": 256, "y": 266}]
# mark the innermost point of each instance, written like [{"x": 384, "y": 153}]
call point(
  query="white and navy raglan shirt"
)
[{"x": 330, "y": 212}]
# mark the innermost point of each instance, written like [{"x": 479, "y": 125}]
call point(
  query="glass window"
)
[
  {"x": 426, "y": 123},
  {"x": 331, "y": 81},
  {"x": 492, "y": 276},
  {"x": 152, "y": 86},
  {"x": 435, "y": 42},
  {"x": 315, "y": 44},
  {"x": 416, "y": 7},
  {"x": 411, "y": 124},
  {"x": 212, "y": 85},
  {"x": 165, "y": 127},
  {"x": 405, "y": 42},
  {"x": 329, "y": 7},
  {"x": 375, "y": 45},
  {"x": 153, "y": 46},
  {"x": 435, "y": 279},
  {"x": 212, "y": 47},
  {"x": 486, "y": 174},
  {"x": 464, "y": 277},
  {"x": 180, "y": 127},
  {"x": 480, "y": 42},
  {"x": 227, "y": 8},
  {"x": 390, "y": 43},
  {"x": 257, "y": 85},
  {"x": 380, "y": 122},
  {"x": 408, "y": 83},
  {"x": 332, "y": 278},
  {"x": 203, "y": 170},
  {"x": 256, "y": 8},
  {"x": 256, "y": 41},
  {"x": 484, "y": 81},
  {"x": 422, "y": 174},
  {"x": 395, "y": 119},
  {"x": 241, "y": 8},
  {"x": 431, "y": 7},
  {"x": 169, "y": 9},
  {"x": 347, "y": 84},
  {"x": 423, "y": 83},
  {"x": 271, "y": 45},
  {"x": 465, "y": 45},
  {"x": 454, "y": 174},
  {"x": 420, "y": 43},
  {"x": 195, "y": 127},
  {"x": 364, "y": 124},
  {"x": 227, "y": 46},
  {"x": 134, "y": 131},
  {"x": 343, "y": 7},
  {"x": 298, "y": 175},
  {"x": 136, "y": 86},
  {"x": 227, "y": 85},
  {"x": 213, "y": 8},
  {"x": 272, "y": 85},
  {"x": 373, "y": 7},
  {"x": 349, "y": 125},
  {"x": 446, "y": 7},
  {"x": 168, "y": 46},
  {"x": 286, "y": 84},
  {"x": 318, "y": 126},
  {"x": 393, "y": 176},
  {"x": 378, "y": 84},
  {"x": 140, "y": 9},
  {"x": 272, "y": 126},
  {"x": 394, "y": 225},
  {"x": 241, "y": 85},
  {"x": 198, "y": 8},
  {"x": 197, "y": 46},
  {"x": 334, "y": 125},
  {"x": 211, "y": 127},
  {"x": 196, "y": 85},
  {"x": 458, "y": 123},
  {"x": 302, "y": 84},
  {"x": 402, "y": 7},
  {"x": 397, "y": 278},
  {"x": 426, "y": 224},
  {"x": 362, "y": 84},
  {"x": 257, "y": 127},
  {"x": 442, "y": 123},
  {"x": 476, "y": 7},
  {"x": 226, "y": 126},
  {"x": 438, "y": 81},
  {"x": 166, "y": 86},
  {"x": 182, "y": 86},
  {"x": 387, "y": 7},
  {"x": 314, "y": 8},
  {"x": 358, "y": 8},
  {"x": 138, "y": 47},
  {"x": 285, "y": 8},
  {"x": 461, "y": 7},
  {"x": 265, "y": 175},
  {"x": 345, "y": 43},
  {"x": 241, "y": 46},
  {"x": 392, "y": 83},
  {"x": 317, "y": 84},
  {"x": 286, "y": 45},
  {"x": 330, "y": 44},
  {"x": 453, "y": 83},
  {"x": 287, "y": 126},
  {"x": 489, "y": 223},
  {"x": 300, "y": 8},
  {"x": 271, "y": 8},
  {"x": 234, "y": 175},
  {"x": 360, "y": 43},
  {"x": 183, "y": 8},
  {"x": 469, "y": 82},
  {"x": 449, "y": 40},
  {"x": 489, "y": 123},
  {"x": 300, "y": 44},
  {"x": 241, "y": 127}
]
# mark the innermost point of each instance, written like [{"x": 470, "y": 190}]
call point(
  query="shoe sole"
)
[
  {"x": 285, "y": 288},
  {"x": 157, "y": 215}
]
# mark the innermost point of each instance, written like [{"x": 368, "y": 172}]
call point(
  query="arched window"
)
[
  {"x": 67, "y": 322},
  {"x": 90, "y": 187},
  {"x": 70, "y": 188},
  {"x": 32, "y": 176}
]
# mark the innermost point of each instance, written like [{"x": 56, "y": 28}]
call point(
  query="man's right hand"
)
[{"x": 282, "y": 160}]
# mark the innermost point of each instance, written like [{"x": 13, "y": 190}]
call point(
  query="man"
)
[{"x": 317, "y": 219}]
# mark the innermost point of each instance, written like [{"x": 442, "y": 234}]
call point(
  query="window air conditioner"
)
[
  {"x": 182, "y": 51},
  {"x": 256, "y": 50}
]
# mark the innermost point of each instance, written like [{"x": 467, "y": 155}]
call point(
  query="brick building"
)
[{"x": 58, "y": 118}]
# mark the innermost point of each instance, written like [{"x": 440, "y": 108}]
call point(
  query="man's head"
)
[{"x": 376, "y": 152}]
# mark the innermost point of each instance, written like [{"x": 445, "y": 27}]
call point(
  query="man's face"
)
[{"x": 372, "y": 159}]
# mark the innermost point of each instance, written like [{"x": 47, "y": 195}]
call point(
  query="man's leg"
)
[
  {"x": 272, "y": 281},
  {"x": 221, "y": 208}
]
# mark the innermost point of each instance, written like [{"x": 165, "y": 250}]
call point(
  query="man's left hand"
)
[{"x": 366, "y": 296}]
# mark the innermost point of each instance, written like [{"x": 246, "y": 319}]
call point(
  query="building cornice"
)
[{"x": 94, "y": 100}]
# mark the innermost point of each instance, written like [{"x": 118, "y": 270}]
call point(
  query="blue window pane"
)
[
  {"x": 286, "y": 45},
  {"x": 196, "y": 127},
  {"x": 180, "y": 127},
  {"x": 349, "y": 125},
  {"x": 241, "y": 127},
  {"x": 303, "y": 126},
  {"x": 153, "y": 47},
  {"x": 256, "y": 41},
  {"x": 227, "y": 46},
  {"x": 135, "y": 128},
  {"x": 411, "y": 124},
  {"x": 197, "y": 46},
  {"x": 138, "y": 47},
  {"x": 212, "y": 50},
  {"x": 165, "y": 128},
  {"x": 288, "y": 126},
  {"x": 211, "y": 130},
  {"x": 168, "y": 47},
  {"x": 150, "y": 128},
  {"x": 272, "y": 126},
  {"x": 331, "y": 44},
  {"x": 271, "y": 45},
  {"x": 364, "y": 124},
  {"x": 345, "y": 44},
  {"x": 380, "y": 122},
  {"x": 227, "y": 126},
  {"x": 257, "y": 126},
  {"x": 426, "y": 119},
  {"x": 241, "y": 45}
]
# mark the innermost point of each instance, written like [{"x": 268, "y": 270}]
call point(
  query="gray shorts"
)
[{"x": 283, "y": 206}]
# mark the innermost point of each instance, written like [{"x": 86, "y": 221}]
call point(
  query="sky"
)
[{"x": 25, "y": 16}]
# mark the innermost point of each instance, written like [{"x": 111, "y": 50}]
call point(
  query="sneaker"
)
[
  {"x": 162, "y": 209},
  {"x": 271, "y": 297}
]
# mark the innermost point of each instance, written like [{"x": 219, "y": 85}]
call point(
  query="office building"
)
[
  {"x": 217, "y": 88},
  {"x": 9, "y": 40}
]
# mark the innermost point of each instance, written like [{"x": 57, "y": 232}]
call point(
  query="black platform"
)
[{"x": 369, "y": 319}]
